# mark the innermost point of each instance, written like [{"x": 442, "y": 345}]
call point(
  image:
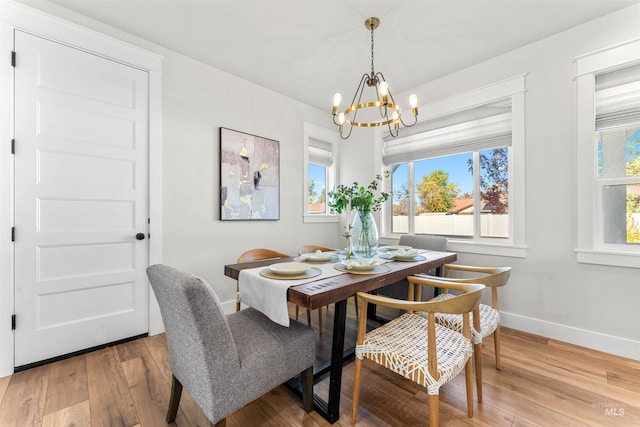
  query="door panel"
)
[{"x": 81, "y": 196}]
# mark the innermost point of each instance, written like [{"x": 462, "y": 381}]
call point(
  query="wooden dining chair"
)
[
  {"x": 260, "y": 254},
  {"x": 309, "y": 249},
  {"x": 399, "y": 289},
  {"x": 417, "y": 347},
  {"x": 226, "y": 361},
  {"x": 491, "y": 277}
]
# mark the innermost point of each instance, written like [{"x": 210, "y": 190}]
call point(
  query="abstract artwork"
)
[{"x": 249, "y": 177}]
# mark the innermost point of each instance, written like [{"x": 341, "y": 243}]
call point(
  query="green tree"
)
[
  {"x": 494, "y": 179},
  {"x": 322, "y": 198},
  {"x": 312, "y": 194},
  {"x": 436, "y": 193},
  {"x": 633, "y": 230},
  {"x": 401, "y": 201}
]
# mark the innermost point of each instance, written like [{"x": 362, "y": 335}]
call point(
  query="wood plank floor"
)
[{"x": 542, "y": 383}]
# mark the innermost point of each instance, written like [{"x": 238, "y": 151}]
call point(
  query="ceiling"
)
[{"x": 310, "y": 49}]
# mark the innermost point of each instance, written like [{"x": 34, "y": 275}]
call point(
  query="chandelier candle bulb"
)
[
  {"x": 337, "y": 98},
  {"x": 384, "y": 91}
]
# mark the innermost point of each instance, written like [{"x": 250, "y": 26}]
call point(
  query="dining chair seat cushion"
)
[
  {"x": 401, "y": 346},
  {"x": 269, "y": 348},
  {"x": 489, "y": 320}
]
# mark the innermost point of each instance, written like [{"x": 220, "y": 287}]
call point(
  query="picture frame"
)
[{"x": 249, "y": 177}]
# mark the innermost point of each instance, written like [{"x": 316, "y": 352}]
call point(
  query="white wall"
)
[
  {"x": 197, "y": 100},
  {"x": 549, "y": 293}
]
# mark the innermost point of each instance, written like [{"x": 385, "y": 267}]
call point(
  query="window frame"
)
[
  {"x": 312, "y": 131},
  {"x": 590, "y": 248},
  {"x": 513, "y": 88}
]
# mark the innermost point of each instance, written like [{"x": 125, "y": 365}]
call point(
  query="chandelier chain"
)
[{"x": 372, "y": 71}]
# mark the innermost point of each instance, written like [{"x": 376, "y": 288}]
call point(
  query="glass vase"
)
[{"x": 364, "y": 235}]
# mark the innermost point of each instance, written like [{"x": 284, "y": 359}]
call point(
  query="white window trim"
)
[
  {"x": 514, "y": 88},
  {"x": 589, "y": 249},
  {"x": 311, "y": 130}
]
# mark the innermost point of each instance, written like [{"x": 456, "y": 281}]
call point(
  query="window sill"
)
[
  {"x": 482, "y": 248},
  {"x": 320, "y": 218},
  {"x": 616, "y": 259}
]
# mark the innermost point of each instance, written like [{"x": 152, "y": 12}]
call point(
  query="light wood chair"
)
[
  {"x": 491, "y": 277},
  {"x": 398, "y": 290},
  {"x": 260, "y": 254},
  {"x": 309, "y": 249},
  {"x": 417, "y": 347}
]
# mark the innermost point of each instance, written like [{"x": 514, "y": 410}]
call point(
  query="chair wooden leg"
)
[
  {"x": 174, "y": 400},
  {"x": 307, "y": 388},
  {"x": 434, "y": 410},
  {"x": 477, "y": 353},
  {"x": 320, "y": 320},
  {"x": 496, "y": 345},
  {"x": 468, "y": 374},
  {"x": 356, "y": 390}
]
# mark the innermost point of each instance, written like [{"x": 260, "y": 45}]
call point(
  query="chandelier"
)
[{"x": 383, "y": 111}]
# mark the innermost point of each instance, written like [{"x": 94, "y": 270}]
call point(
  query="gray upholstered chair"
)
[
  {"x": 226, "y": 361},
  {"x": 399, "y": 289}
]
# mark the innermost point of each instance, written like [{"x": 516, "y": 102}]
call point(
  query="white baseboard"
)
[
  {"x": 230, "y": 306},
  {"x": 606, "y": 343},
  {"x": 594, "y": 340}
]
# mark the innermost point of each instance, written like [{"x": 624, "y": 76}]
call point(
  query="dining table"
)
[{"x": 320, "y": 291}]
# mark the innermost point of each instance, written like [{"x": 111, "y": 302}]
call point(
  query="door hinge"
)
[
  {"x": 13, "y": 322},
  {"x": 13, "y": 234},
  {"x": 13, "y": 58},
  {"x": 13, "y": 146}
]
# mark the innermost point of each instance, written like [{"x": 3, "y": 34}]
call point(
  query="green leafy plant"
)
[{"x": 356, "y": 196}]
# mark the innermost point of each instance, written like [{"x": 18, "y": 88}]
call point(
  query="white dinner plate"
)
[
  {"x": 319, "y": 256},
  {"x": 391, "y": 257},
  {"x": 395, "y": 248},
  {"x": 359, "y": 264},
  {"x": 289, "y": 268}
]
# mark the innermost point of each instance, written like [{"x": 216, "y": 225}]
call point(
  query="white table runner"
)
[{"x": 269, "y": 296}]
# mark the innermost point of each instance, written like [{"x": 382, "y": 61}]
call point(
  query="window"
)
[
  {"x": 320, "y": 172},
  {"x": 446, "y": 192},
  {"x": 460, "y": 174},
  {"x": 609, "y": 157}
]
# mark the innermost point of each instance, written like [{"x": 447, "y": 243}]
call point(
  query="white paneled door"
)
[{"x": 81, "y": 197}]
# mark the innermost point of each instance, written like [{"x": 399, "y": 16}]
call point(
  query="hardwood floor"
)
[{"x": 542, "y": 383}]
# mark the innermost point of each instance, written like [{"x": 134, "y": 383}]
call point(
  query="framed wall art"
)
[{"x": 249, "y": 177}]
